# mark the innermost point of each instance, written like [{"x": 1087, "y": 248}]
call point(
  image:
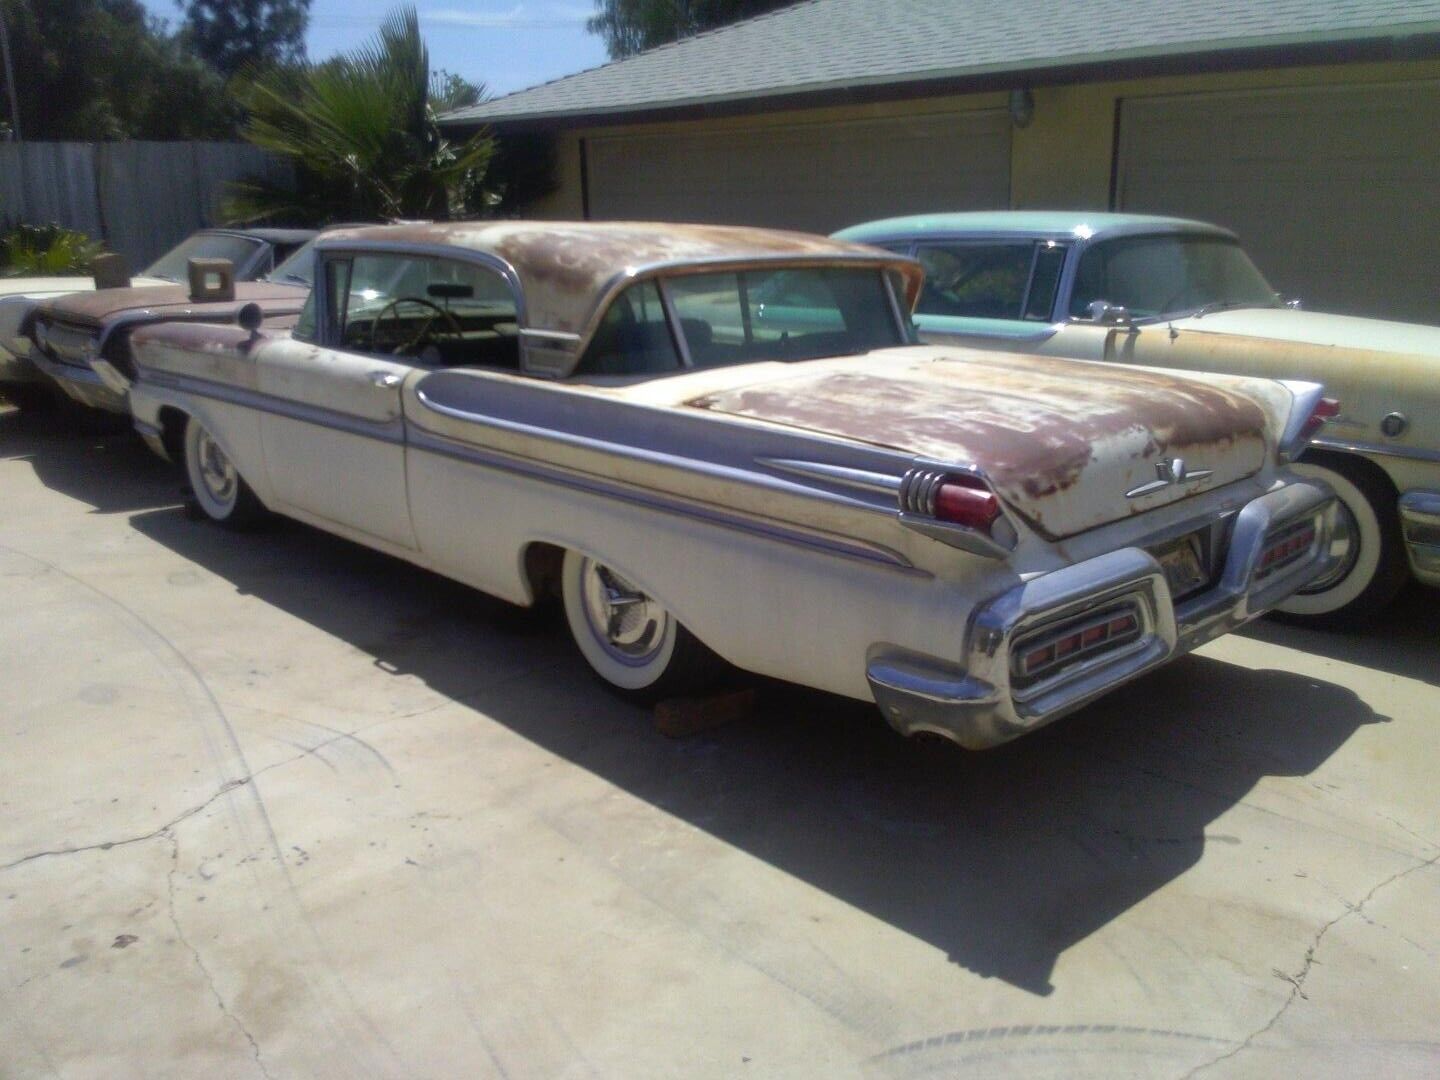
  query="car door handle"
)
[{"x": 385, "y": 380}]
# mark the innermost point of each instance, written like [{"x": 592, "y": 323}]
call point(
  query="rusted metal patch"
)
[
  {"x": 162, "y": 300},
  {"x": 1061, "y": 440}
]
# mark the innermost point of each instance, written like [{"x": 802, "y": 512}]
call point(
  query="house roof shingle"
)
[{"x": 819, "y": 45}]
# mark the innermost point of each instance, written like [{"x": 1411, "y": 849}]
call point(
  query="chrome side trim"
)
[
  {"x": 532, "y": 469},
  {"x": 862, "y": 479},
  {"x": 1354, "y": 446},
  {"x": 390, "y": 431}
]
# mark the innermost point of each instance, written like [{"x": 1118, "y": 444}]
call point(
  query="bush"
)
[{"x": 45, "y": 250}]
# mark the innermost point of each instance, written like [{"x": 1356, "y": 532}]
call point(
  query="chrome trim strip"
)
[
  {"x": 391, "y": 431},
  {"x": 639, "y": 454},
  {"x": 863, "y": 479},
  {"x": 652, "y": 500},
  {"x": 1352, "y": 446}
]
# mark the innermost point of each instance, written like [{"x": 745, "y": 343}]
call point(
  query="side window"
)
[
  {"x": 985, "y": 281},
  {"x": 1045, "y": 282},
  {"x": 440, "y": 312},
  {"x": 633, "y": 337}
]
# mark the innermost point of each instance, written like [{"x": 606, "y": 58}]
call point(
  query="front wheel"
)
[
  {"x": 1370, "y": 563},
  {"x": 637, "y": 647},
  {"x": 220, "y": 490}
]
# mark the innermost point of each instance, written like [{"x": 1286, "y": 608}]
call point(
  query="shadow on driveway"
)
[
  {"x": 1002, "y": 860},
  {"x": 1403, "y": 640}
]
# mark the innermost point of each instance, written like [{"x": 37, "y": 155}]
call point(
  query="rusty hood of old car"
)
[
  {"x": 174, "y": 302},
  {"x": 1065, "y": 443}
]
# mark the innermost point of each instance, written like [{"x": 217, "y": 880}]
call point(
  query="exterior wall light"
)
[{"x": 1022, "y": 108}]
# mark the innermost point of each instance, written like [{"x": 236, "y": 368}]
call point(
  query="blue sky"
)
[{"x": 506, "y": 44}]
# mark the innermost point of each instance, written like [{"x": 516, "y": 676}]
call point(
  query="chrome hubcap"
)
[
  {"x": 629, "y": 624},
  {"x": 1344, "y": 549},
  {"x": 216, "y": 472}
]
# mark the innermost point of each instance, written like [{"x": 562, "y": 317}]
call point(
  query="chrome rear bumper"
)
[{"x": 987, "y": 701}]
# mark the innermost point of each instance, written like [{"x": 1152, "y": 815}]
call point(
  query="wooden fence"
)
[{"x": 140, "y": 198}]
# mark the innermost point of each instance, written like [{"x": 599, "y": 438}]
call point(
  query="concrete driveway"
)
[{"x": 275, "y": 806}]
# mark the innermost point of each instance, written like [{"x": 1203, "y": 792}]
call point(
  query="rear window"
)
[{"x": 741, "y": 317}]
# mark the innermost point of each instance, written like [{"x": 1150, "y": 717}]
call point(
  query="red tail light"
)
[
  {"x": 969, "y": 504},
  {"x": 1327, "y": 409}
]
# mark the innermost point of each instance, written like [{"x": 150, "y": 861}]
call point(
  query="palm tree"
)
[{"x": 361, "y": 132}]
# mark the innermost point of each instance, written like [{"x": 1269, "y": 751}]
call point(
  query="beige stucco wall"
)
[{"x": 1061, "y": 160}]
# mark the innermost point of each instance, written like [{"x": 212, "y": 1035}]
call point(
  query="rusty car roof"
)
[{"x": 567, "y": 270}]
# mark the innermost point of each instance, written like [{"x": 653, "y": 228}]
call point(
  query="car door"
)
[{"x": 334, "y": 437}]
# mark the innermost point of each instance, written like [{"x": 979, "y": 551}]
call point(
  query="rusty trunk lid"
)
[{"x": 1064, "y": 442}]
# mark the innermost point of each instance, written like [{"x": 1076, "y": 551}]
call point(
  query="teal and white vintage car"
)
[
  {"x": 1165, "y": 292},
  {"x": 725, "y": 443}
]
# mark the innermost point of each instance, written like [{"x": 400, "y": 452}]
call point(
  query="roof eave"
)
[{"x": 1372, "y": 44}]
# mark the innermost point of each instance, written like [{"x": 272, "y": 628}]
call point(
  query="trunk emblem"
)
[{"x": 1167, "y": 472}]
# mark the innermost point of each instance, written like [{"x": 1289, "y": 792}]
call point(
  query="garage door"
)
[
  {"x": 1335, "y": 191},
  {"x": 818, "y": 177}
]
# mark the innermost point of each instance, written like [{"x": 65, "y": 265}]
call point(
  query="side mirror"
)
[
  {"x": 110, "y": 271},
  {"x": 211, "y": 280},
  {"x": 1102, "y": 311},
  {"x": 250, "y": 317}
]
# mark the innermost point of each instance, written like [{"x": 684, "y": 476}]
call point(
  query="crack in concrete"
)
[
  {"x": 163, "y": 830},
  {"x": 199, "y": 962},
  {"x": 1297, "y": 980}
]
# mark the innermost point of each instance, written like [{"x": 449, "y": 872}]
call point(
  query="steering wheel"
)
[{"x": 424, "y": 330}]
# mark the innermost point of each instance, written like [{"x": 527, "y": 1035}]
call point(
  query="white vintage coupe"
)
[{"x": 725, "y": 443}]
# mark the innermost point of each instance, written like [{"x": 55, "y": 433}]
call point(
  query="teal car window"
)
[
  {"x": 982, "y": 281},
  {"x": 1155, "y": 276},
  {"x": 1045, "y": 282}
]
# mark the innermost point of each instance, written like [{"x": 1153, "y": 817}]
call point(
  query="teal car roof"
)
[{"x": 1041, "y": 224}]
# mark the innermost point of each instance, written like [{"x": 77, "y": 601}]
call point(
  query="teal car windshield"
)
[{"x": 1156, "y": 276}]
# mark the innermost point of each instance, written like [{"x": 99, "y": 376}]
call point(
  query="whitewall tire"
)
[
  {"x": 219, "y": 489},
  {"x": 632, "y": 643},
  {"x": 1370, "y": 560}
]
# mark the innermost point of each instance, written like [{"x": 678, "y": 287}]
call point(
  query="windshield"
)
[
  {"x": 739, "y": 317},
  {"x": 171, "y": 265},
  {"x": 1156, "y": 276},
  {"x": 298, "y": 269}
]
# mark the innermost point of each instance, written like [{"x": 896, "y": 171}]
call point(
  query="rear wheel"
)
[
  {"x": 1369, "y": 548},
  {"x": 219, "y": 489},
  {"x": 637, "y": 647}
]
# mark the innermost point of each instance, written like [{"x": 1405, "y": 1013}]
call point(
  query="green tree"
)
[
  {"x": 105, "y": 69},
  {"x": 361, "y": 132},
  {"x": 632, "y": 26},
  {"x": 233, "y": 34}
]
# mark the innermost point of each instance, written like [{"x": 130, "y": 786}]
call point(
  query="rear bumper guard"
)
[{"x": 987, "y": 700}]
